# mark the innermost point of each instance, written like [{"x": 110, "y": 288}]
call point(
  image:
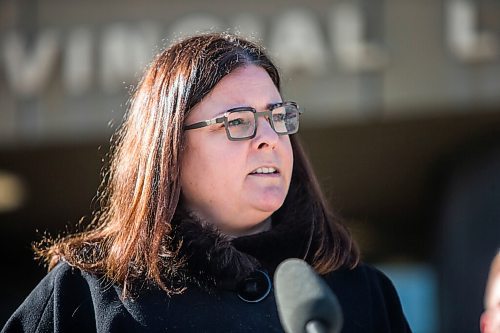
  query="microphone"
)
[{"x": 305, "y": 302}]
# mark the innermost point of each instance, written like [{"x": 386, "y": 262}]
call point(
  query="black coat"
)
[{"x": 71, "y": 300}]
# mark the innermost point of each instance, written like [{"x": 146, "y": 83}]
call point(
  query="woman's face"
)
[{"x": 218, "y": 176}]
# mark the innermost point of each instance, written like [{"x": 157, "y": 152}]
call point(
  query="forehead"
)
[{"x": 245, "y": 86}]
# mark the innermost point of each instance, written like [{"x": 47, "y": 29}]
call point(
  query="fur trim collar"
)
[{"x": 211, "y": 259}]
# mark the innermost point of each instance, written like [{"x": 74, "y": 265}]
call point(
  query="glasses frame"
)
[{"x": 268, "y": 114}]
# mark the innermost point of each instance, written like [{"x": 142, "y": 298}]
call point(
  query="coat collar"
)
[{"x": 213, "y": 260}]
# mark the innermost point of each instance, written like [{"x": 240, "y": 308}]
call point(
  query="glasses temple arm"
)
[{"x": 204, "y": 123}]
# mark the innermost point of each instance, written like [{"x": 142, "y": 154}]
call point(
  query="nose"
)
[{"x": 265, "y": 137}]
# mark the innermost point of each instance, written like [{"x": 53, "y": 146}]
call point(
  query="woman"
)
[{"x": 208, "y": 191}]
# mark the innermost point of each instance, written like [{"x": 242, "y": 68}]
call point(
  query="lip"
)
[
  {"x": 269, "y": 175},
  {"x": 277, "y": 173}
]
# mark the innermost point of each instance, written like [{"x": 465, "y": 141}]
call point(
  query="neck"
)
[{"x": 260, "y": 227}]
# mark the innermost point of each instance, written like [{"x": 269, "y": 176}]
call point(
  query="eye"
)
[
  {"x": 280, "y": 117},
  {"x": 237, "y": 122}
]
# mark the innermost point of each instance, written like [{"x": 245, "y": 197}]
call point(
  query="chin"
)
[
  {"x": 267, "y": 200},
  {"x": 269, "y": 205}
]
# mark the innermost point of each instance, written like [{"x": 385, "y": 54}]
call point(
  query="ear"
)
[{"x": 484, "y": 322}]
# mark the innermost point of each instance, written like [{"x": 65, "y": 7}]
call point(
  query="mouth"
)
[{"x": 265, "y": 171}]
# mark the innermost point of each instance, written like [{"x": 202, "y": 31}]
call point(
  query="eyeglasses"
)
[{"x": 241, "y": 123}]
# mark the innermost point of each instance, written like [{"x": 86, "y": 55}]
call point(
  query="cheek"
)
[
  {"x": 209, "y": 165},
  {"x": 186, "y": 176},
  {"x": 193, "y": 162},
  {"x": 288, "y": 156},
  {"x": 225, "y": 167}
]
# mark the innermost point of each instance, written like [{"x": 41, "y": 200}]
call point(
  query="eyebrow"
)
[{"x": 269, "y": 106}]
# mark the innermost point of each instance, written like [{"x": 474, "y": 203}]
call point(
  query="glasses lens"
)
[
  {"x": 286, "y": 119},
  {"x": 241, "y": 124}
]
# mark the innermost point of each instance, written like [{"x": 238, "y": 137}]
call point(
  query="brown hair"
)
[{"x": 131, "y": 231}]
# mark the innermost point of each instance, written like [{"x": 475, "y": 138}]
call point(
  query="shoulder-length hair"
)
[{"x": 131, "y": 231}]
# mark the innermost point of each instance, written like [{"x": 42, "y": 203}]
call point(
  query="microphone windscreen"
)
[{"x": 302, "y": 296}]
